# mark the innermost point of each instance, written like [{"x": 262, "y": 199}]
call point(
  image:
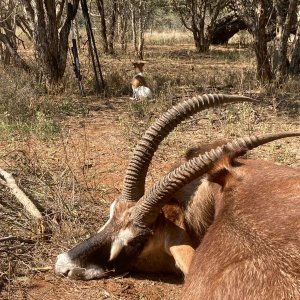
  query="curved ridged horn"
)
[
  {"x": 148, "y": 208},
  {"x": 134, "y": 181}
]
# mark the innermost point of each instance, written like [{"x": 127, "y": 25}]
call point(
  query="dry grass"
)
[
  {"x": 71, "y": 156},
  {"x": 171, "y": 37}
]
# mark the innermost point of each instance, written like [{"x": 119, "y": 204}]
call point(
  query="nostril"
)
[
  {"x": 65, "y": 273},
  {"x": 62, "y": 274}
]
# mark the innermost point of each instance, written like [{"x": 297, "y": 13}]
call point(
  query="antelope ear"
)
[
  {"x": 223, "y": 172},
  {"x": 183, "y": 254},
  {"x": 220, "y": 176},
  {"x": 179, "y": 245}
]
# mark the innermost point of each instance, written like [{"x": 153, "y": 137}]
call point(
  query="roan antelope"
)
[{"x": 231, "y": 225}]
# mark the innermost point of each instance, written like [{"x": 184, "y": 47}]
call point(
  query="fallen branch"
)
[{"x": 8, "y": 181}]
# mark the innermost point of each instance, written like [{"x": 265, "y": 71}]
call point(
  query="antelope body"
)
[
  {"x": 138, "y": 83},
  {"x": 242, "y": 216},
  {"x": 252, "y": 248}
]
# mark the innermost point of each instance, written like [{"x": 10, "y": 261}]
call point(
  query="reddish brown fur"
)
[
  {"x": 138, "y": 67},
  {"x": 252, "y": 248},
  {"x": 168, "y": 230},
  {"x": 246, "y": 227},
  {"x": 138, "y": 80},
  {"x": 201, "y": 149}
]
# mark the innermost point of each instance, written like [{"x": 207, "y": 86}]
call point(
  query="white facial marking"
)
[
  {"x": 124, "y": 236},
  {"x": 111, "y": 213},
  {"x": 116, "y": 248},
  {"x": 64, "y": 264}
]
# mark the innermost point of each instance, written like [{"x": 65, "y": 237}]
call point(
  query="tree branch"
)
[
  {"x": 7, "y": 180},
  {"x": 16, "y": 238},
  {"x": 19, "y": 61}
]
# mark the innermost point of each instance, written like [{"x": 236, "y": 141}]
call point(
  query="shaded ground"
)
[{"x": 76, "y": 175}]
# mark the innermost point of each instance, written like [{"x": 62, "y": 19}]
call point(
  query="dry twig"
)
[{"x": 16, "y": 238}]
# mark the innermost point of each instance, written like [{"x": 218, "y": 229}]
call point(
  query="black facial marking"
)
[{"x": 96, "y": 247}]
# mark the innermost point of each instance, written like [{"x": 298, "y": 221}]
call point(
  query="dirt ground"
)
[{"x": 78, "y": 174}]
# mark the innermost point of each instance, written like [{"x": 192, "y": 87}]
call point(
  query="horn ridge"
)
[
  {"x": 148, "y": 208},
  {"x": 134, "y": 181}
]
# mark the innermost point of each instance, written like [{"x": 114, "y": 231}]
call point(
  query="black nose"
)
[{"x": 65, "y": 273}]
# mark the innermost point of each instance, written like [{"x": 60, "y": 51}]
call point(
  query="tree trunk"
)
[
  {"x": 123, "y": 31},
  {"x": 51, "y": 46},
  {"x": 134, "y": 34},
  {"x": 202, "y": 43},
  {"x": 263, "y": 66},
  {"x": 112, "y": 28},
  {"x": 8, "y": 31},
  {"x": 283, "y": 28},
  {"x": 25, "y": 27},
  {"x": 295, "y": 60},
  {"x": 202, "y": 46},
  {"x": 140, "y": 53},
  {"x": 123, "y": 14},
  {"x": 103, "y": 34},
  {"x": 256, "y": 16}
]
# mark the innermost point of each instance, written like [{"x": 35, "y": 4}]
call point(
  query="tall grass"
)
[
  {"x": 27, "y": 107},
  {"x": 168, "y": 37}
]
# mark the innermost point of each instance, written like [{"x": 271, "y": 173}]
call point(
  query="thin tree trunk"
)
[
  {"x": 134, "y": 34},
  {"x": 103, "y": 34},
  {"x": 123, "y": 37},
  {"x": 140, "y": 53},
  {"x": 19, "y": 61},
  {"x": 263, "y": 66},
  {"x": 112, "y": 29},
  {"x": 295, "y": 60},
  {"x": 25, "y": 27},
  {"x": 64, "y": 38},
  {"x": 283, "y": 28},
  {"x": 123, "y": 14}
]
